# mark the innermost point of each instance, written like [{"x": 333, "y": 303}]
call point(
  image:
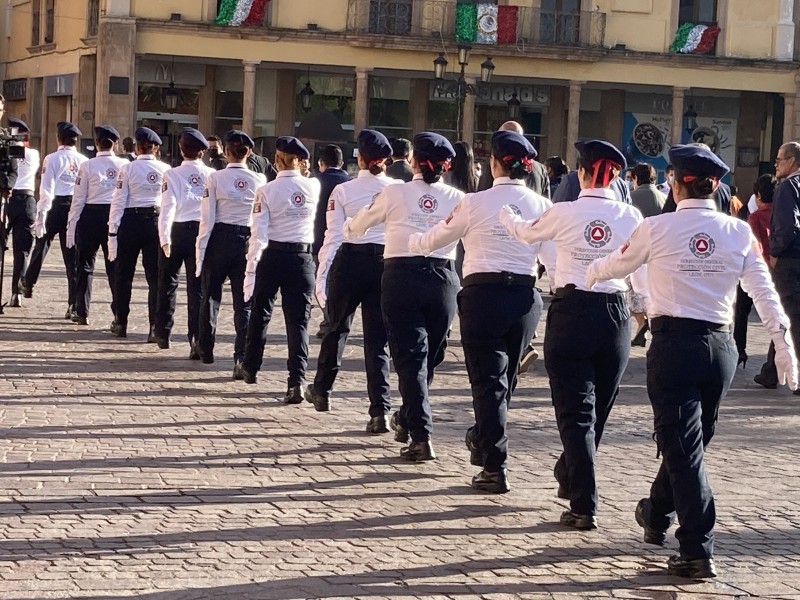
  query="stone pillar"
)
[
  {"x": 612, "y": 107},
  {"x": 468, "y": 116},
  {"x": 789, "y": 117},
  {"x": 678, "y": 96},
  {"x": 206, "y": 101},
  {"x": 286, "y": 101},
  {"x": 784, "y": 38},
  {"x": 573, "y": 119},
  {"x": 116, "y": 45},
  {"x": 362, "y": 99},
  {"x": 420, "y": 95},
  {"x": 249, "y": 96},
  {"x": 554, "y": 125},
  {"x": 83, "y": 94}
]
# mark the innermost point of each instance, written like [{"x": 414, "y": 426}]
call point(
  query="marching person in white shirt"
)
[
  {"x": 695, "y": 258},
  {"x": 279, "y": 259},
  {"x": 178, "y": 226},
  {"x": 59, "y": 174},
  {"x": 587, "y": 341},
  {"x": 496, "y": 304},
  {"x": 87, "y": 226},
  {"x": 350, "y": 274},
  {"x": 133, "y": 227},
  {"x": 226, "y": 212},
  {"x": 22, "y": 214},
  {"x": 418, "y": 293}
]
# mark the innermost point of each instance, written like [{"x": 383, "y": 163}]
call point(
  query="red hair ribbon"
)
[
  {"x": 690, "y": 178},
  {"x": 372, "y": 163},
  {"x": 605, "y": 165},
  {"x": 525, "y": 162},
  {"x": 445, "y": 164}
]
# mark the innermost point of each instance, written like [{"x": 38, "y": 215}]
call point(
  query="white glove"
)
[
  {"x": 415, "y": 244},
  {"x": 113, "y": 246},
  {"x": 507, "y": 216},
  {"x": 70, "y": 240},
  {"x": 321, "y": 291},
  {"x": 199, "y": 269},
  {"x": 785, "y": 359},
  {"x": 347, "y": 233},
  {"x": 591, "y": 279},
  {"x": 249, "y": 285},
  {"x": 38, "y": 225},
  {"x": 166, "y": 249}
]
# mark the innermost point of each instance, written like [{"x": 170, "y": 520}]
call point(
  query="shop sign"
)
[
  {"x": 15, "y": 89},
  {"x": 498, "y": 93},
  {"x": 59, "y": 85}
]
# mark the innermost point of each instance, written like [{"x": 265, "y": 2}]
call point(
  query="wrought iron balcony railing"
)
[{"x": 517, "y": 25}]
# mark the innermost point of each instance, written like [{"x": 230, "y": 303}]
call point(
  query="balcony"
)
[{"x": 451, "y": 22}]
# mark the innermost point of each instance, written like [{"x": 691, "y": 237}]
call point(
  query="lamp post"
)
[{"x": 460, "y": 88}]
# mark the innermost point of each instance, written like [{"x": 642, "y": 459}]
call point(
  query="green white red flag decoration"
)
[
  {"x": 695, "y": 39},
  {"x": 241, "y": 12}
]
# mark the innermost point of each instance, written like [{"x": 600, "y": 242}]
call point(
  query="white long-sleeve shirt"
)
[
  {"x": 592, "y": 227},
  {"x": 345, "y": 201},
  {"x": 181, "y": 195},
  {"x": 488, "y": 248},
  {"x": 284, "y": 211},
  {"x": 59, "y": 174},
  {"x": 139, "y": 185},
  {"x": 228, "y": 198},
  {"x": 96, "y": 182},
  {"x": 695, "y": 257},
  {"x": 407, "y": 208},
  {"x": 26, "y": 170}
]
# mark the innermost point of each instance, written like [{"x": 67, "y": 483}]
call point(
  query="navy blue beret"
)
[
  {"x": 21, "y": 125},
  {"x": 145, "y": 134},
  {"x": 239, "y": 137},
  {"x": 594, "y": 150},
  {"x": 68, "y": 130},
  {"x": 291, "y": 145},
  {"x": 106, "y": 132},
  {"x": 193, "y": 138},
  {"x": 432, "y": 146},
  {"x": 697, "y": 160},
  {"x": 374, "y": 144},
  {"x": 511, "y": 143}
]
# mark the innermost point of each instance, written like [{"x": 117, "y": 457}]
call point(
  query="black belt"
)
[
  {"x": 96, "y": 207},
  {"x": 687, "y": 325},
  {"x": 62, "y": 199},
  {"x": 142, "y": 210},
  {"x": 418, "y": 261},
  {"x": 186, "y": 225},
  {"x": 22, "y": 193},
  {"x": 502, "y": 278},
  {"x": 570, "y": 290},
  {"x": 368, "y": 249},
  {"x": 236, "y": 229},
  {"x": 289, "y": 247}
]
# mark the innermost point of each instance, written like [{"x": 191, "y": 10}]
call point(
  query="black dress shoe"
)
[
  {"x": 494, "y": 483},
  {"x": 321, "y": 402},
  {"x": 207, "y": 360},
  {"x": 400, "y": 432},
  {"x": 16, "y": 301},
  {"x": 80, "y": 320},
  {"x": 294, "y": 395},
  {"x": 418, "y": 452},
  {"x": 378, "y": 425},
  {"x": 476, "y": 457},
  {"x": 113, "y": 326},
  {"x": 27, "y": 292},
  {"x": 70, "y": 311},
  {"x": 238, "y": 371},
  {"x": 762, "y": 381},
  {"x": 652, "y": 535},
  {"x": 576, "y": 521},
  {"x": 121, "y": 332},
  {"x": 152, "y": 338},
  {"x": 194, "y": 351},
  {"x": 249, "y": 378},
  {"x": 562, "y": 491},
  {"x": 702, "y": 568},
  {"x": 163, "y": 343}
]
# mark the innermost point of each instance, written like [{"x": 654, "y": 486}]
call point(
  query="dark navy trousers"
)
[
  {"x": 91, "y": 235},
  {"x": 690, "y": 367},
  {"x": 586, "y": 348},
  {"x": 418, "y": 300},
  {"x": 182, "y": 254}
]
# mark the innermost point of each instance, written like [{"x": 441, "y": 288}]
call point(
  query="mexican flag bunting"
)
[
  {"x": 466, "y": 22},
  {"x": 695, "y": 39},
  {"x": 241, "y": 12},
  {"x": 507, "y": 17},
  {"x": 486, "y": 23}
]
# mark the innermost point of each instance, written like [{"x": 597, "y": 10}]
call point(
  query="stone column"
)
[
  {"x": 420, "y": 93},
  {"x": 573, "y": 119},
  {"x": 205, "y": 104},
  {"x": 784, "y": 38},
  {"x": 468, "y": 117},
  {"x": 789, "y": 117},
  {"x": 249, "y": 96},
  {"x": 116, "y": 45},
  {"x": 286, "y": 101},
  {"x": 362, "y": 99},
  {"x": 678, "y": 96}
]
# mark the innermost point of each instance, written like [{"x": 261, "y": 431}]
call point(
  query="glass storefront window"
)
[
  {"x": 152, "y": 99},
  {"x": 390, "y": 106},
  {"x": 334, "y": 93},
  {"x": 228, "y": 113}
]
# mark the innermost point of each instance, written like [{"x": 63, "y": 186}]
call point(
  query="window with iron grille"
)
[
  {"x": 36, "y": 22},
  {"x": 93, "y": 18}
]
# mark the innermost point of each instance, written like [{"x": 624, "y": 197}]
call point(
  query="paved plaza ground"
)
[{"x": 129, "y": 472}]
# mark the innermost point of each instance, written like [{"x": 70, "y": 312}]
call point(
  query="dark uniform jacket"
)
[
  {"x": 784, "y": 240},
  {"x": 260, "y": 164},
  {"x": 538, "y": 180},
  {"x": 722, "y": 197},
  {"x": 400, "y": 169},
  {"x": 328, "y": 180},
  {"x": 569, "y": 189}
]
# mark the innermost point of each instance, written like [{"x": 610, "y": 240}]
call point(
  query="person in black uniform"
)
[
  {"x": 260, "y": 164},
  {"x": 355, "y": 271},
  {"x": 401, "y": 155},
  {"x": 695, "y": 257}
]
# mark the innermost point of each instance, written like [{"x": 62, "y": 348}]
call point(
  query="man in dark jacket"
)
[
  {"x": 261, "y": 164},
  {"x": 401, "y": 155},
  {"x": 330, "y": 175}
]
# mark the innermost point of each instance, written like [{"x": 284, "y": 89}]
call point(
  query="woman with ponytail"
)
[
  {"x": 496, "y": 304},
  {"x": 350, "y": 274},
  {"x": 418, "y": 293},
  {"x": 587, "y": 339}
]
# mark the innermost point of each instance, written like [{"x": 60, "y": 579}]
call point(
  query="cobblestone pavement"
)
[{"x": 129, "y": 472}]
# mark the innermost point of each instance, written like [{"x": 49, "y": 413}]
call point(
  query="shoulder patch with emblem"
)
[
  {"x": 164, "y": 187},
  {"x": 256, "y": 208},
  {"x": 331, "y": 204}
]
